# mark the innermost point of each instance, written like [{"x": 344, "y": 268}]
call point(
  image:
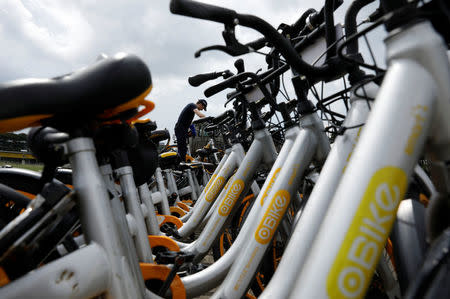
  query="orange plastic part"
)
[
  {"x": 4, "y": 279},
  {"x": 183, "y": 206},
  {"x": 163, "y": 241},
  {"x": 187, "y": 201},
  {"x": 148, "y": 107},
  {"x": 390, "y": 250},
  {"x": 134, "y": 103},
  {"x": 22, "y": 122},
  {"x": 423, "y": 199},
  {"x": 29, "y": 195},
  {"x": 172, "y": 219},
  {"x": 177, "y": 210},
  {"x": 160, "y": 272}
]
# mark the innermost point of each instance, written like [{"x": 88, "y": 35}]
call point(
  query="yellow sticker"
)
[
  {"x": 215, "y": 188},
  {"x": 269, "y": 185},
  {"x": 272, "y": 217},
  {"x": 295, "y": 168},
  {"x": 247, "y": 168},
  {"x": 419, "y": 119},
  {"x": 231, "y": 197},
  {"x": 361, "y": 248}
]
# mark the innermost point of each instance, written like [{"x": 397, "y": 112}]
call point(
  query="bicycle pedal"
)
[{"x": 170, "y": 230}]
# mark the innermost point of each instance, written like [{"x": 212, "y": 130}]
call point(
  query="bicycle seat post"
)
[{"x": 98, "y": 220}]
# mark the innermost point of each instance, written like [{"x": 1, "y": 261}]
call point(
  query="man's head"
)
[{"x": 201, "y": 104}]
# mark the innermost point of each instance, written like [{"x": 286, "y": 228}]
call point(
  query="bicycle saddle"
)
[
  {"x": 204, "y": 152},
  {"x": 159, "y": 135},
  {"x": 168, "y": 160},
  {"x": 103, "y": 89}
]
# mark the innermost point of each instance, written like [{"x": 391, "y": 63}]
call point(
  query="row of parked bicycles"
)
[{"x": 312, "y": 196}]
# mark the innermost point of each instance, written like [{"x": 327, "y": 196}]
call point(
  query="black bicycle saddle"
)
[{"x": 104, "y": 89}]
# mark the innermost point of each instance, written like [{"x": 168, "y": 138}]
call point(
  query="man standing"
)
[{"x": 183, "y": 123}]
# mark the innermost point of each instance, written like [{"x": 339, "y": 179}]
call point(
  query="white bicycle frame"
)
[
  {"x": 261, "y": 151},
  {"x": 135, "y": 215},
  {"x": 108, "y": 265},
  {"x": 211, "y": 191},
  {"x": 160, "y": 196},
  {"x": 411, "y": 108},
  {"x": 210, "y": 182},
  {"x": 312, "y": 215}
]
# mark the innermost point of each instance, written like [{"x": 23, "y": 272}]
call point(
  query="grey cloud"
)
[{"x": 164, "y": 41}]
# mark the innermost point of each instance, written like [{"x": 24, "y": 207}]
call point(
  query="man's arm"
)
[{"x": 199, "y": 114}]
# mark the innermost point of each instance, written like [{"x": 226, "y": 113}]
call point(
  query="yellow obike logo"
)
[
  {"x": 231, "y": 197},
  {"x": 362, "y": 246},
  {"x": 269, "y": 185},
  {"x": 272, "y": 217},
  {"x": 215, "y": 188}
]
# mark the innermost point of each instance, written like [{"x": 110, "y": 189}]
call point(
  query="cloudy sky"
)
[{"x": 46, "y": 38}]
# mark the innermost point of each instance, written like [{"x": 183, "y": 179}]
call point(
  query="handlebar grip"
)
[
  {"x": 300, "y": 23},
  {"x": 199, "y": 79},
  {"x": 230, "y": 82},
  {"x": 203, "y": 11}
]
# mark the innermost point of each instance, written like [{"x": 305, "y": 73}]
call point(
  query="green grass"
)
[{"x": 35, "y": 167}]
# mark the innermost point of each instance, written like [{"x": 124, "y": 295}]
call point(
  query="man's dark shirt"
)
[{"x": 186, "y": 116}]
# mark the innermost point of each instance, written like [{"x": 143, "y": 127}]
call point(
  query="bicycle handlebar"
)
[
  {"x": 257, "y": 43},
  {"x": 203, "y": 120},
  {"x": 301, "y": 22},
  {"x": 227, "y": 16},
  {"x": 235, "y": 49},
  {"x": 203, "y": 11},
  {"x": 350, "y": 24},
  {"x": 220, "y": 120},
  {"x": 199, "y": 79},
  {"x": 230, "y": 82},
  {"x": 227, "y": 114}
]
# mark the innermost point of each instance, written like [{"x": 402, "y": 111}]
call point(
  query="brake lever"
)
[
  {"x": 229, "y": 50},
  {"x": 231, "y": 41}
]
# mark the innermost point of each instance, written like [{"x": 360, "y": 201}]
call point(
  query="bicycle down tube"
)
[
  {"x": 364, "y": 206},
  {"x": 306, "y": 228}
]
